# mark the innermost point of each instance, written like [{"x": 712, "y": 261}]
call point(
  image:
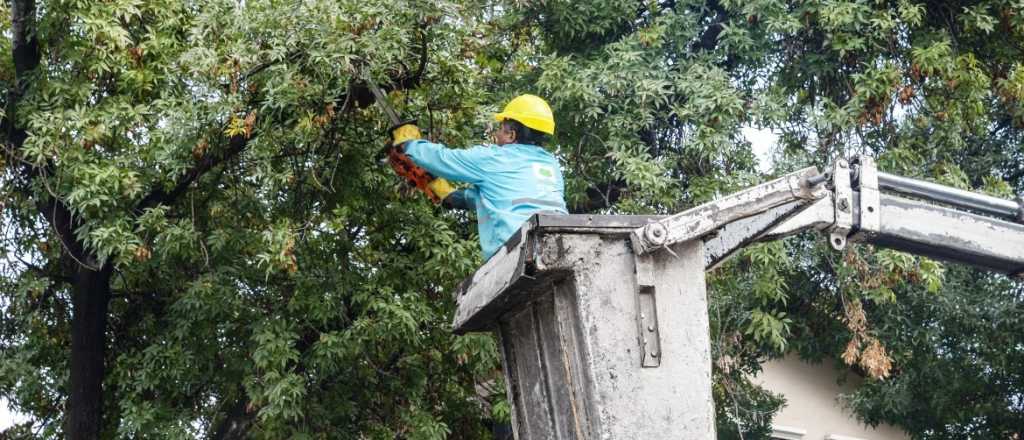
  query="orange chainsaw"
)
[{"x": 436, "y": 188}]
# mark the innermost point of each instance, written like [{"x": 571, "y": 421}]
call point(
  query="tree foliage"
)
[
  {"x": 259, "y": 275},
  {"x": 199, "y": 240}
]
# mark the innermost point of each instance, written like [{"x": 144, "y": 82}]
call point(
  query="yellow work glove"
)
[{"x": 441, "y": 187}]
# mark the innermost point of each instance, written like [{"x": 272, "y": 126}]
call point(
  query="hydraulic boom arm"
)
[{"x": 854, "y": 202}]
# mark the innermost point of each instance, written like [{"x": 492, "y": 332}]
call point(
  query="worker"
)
[{"x": 509, "y": 181}]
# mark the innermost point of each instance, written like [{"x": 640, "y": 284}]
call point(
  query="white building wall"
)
[{"x": 813, "y": 411}]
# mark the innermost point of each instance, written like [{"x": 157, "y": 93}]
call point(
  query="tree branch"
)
[
  {"x": 43, "y": 273},
  {"x": 26, "y": 56},
  {"x": 359, "y": 95},
  {"x": 411, "y": 81},
  {"x": 291, "y": 57},
  {"x": 236, "y": 423},
  {"x": 26, "y": 45},
  {"x": 159, "y": 196},
  {"x": 709, "y": 39},
  {"x": 600, "y": 196}
]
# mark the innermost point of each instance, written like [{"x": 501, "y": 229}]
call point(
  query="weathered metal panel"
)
[
  {"x": 547, "y": 383},
  {"x": 731, "y": 237},
  {"x": 819, "y": 215},
  {"x": 566, "y": 304},
  {"x": 698, "y": 221},
  {"x": 553, "y": 362},
  {"x": 867, "y": 199},
  {"x": 672, "y": 400},
  {"x": 949, "y": 195},
  {"x": 528, "y": 384},
  {"x": 952, "y": 235},
  {"x": 480, "y": 296},
  {"x": 579, "y": 381},
  {"x": 842, "y": 191},
  {"x": 510, "y": 367},
  {"x": 509, "y": 277},
  {"x": 596, "y": 224}
]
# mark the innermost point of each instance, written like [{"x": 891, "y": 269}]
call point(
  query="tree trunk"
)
[
  {"x": 90, "y": 298},
  {"x": 236, "y": 423}
]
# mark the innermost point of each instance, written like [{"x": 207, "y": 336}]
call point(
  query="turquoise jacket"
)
[{"x": 509, "y": 183}]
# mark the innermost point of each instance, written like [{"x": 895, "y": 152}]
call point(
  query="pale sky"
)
[
  {"x": 6, "y": 418},
  {"x": 762, "y": 141}
]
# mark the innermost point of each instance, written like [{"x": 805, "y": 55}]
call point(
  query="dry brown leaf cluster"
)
[
  {"x": 866, "y": 276},
  {"x": 199, "y": 150},
  {"x": 142, "y": 254},
  {"x": 322, "y": 119},
  {"x": 289, "y": 254},
  {"x": 875, "y": 360},
  {"x": 250, "y": 123},
  {"x": 863, "y": 349}
]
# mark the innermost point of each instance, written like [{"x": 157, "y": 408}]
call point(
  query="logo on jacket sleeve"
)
[{"x": 544, "y": 174}]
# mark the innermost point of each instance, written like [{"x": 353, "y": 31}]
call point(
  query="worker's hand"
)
[
  {"x": 441, "y": 188},
  {"x": 405, "y": 132},
  {"x": 435, "y": 188},
  {"x": 457, "y": 200}
]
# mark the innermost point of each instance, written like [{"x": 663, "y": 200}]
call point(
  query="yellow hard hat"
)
[{"x": 531, "y": 111}]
